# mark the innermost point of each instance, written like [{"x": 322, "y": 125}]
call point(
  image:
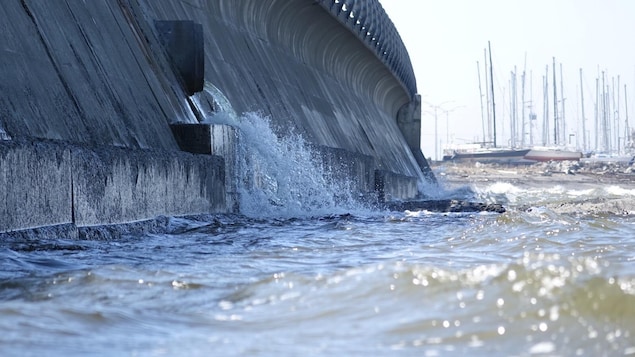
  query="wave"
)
[
  {"x": 543, "y": 303},
  {"x": 519, "y": 193}
]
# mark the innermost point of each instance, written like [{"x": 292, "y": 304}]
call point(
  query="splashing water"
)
[
  {"x": 282, "y": 176},
  {"x": 214, "y": 106},
  {"x": 4, "y": 135},
  {"x": 277, "y": 176}
]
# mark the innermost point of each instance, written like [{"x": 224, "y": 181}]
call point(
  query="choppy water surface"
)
[
  {"x": 334, "y": 279},
  {"x": 528, "y": 282}
]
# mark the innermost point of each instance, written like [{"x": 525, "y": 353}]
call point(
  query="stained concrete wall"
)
[
  {"x": 76, "y": 71},
  {"x": 52, "y": 183},
  {"x": 108, "y": 81},
  {"x": 93, "y": 74},
  {"x": 392, "y": 187},
  {"x": 35, "y": 185},
  {"x": 293, "y": 61},
  {"x": 116, "y": 186},
  {"x": 354, "y": 170},
  {"x": 214, "y": 139}
]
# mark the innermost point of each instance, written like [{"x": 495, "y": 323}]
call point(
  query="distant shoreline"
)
[
  {"x": 571, "y": 175},
  {"x": 565, "y": 172}
]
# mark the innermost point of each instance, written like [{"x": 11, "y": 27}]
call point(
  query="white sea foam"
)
[
  {"x": 506, "y": 193},
  {"x": 619, "y": 191},
  {"x": 579, "y": 193},
  {"x": 504, "y": 188},
  {"x": 280, "y": 174},
  {"x": 500, "y": 192},
  {"x": 566, "y": 196},
  {"x": 556, "y": 190}
]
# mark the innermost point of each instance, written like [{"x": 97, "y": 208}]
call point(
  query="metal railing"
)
[{"x": 370, "y": 23}]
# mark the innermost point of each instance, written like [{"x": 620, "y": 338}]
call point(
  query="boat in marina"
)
[
  {"x": 477, "y": 153},
  {"x": 552, "y": 154},
  {"x": 607, "y": 159}
]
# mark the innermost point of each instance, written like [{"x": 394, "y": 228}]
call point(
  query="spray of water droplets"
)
[
  {"x": 278, "y": 175},
  {"x": 282, "y": 176}
]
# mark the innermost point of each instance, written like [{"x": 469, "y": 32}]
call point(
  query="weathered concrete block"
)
[
  {"x": 193, "y": 138},
  {"x": 35, "y": 185},
  {"x": 409, "y": 122},
  {"x": 45, "y": 184},
  {"x": 394, "y": 187},
  {"x": 183, "y": 42},
  {"x": 112, "y": 185},
  {"x": 213, "y": 139},
  {"x": 355, "y": 170}
]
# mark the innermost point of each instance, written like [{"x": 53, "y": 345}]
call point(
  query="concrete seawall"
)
[
  {"x": 74, "y": 71},
  {"x": 293, "y": 61},
  {"x": 91, "y": 98},
  {"x": 49, "y": 183}
]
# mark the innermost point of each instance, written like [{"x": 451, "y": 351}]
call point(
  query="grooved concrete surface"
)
[
  {"x": 93, "y": 74},
  {"x": 293, "y": 61},
  {"x": 74, "y": 70}
]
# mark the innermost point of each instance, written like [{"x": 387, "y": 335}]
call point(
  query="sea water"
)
[{"x": 304, "y": 271}]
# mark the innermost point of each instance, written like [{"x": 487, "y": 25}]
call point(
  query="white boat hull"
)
[{"x": 552, "y": 155}]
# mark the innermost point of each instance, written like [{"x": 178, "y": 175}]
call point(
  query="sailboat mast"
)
[
  {"x": 584, "y": 146},
  {"x": 522, "y": 102},
  {"x": 480, "y": 92},
  {"x": 563, "y": 120},
  {"x": 617, "y": 115},
  {"x": 626, "y": 126},
  {"x": 545, "y": 108},
  {"x": 612, "y": 119},
  {"x": 597, "y": 113},
  {"x": 487, "y": 94},
  {"x": 514, "y": 108},
  {"x": 605, "y": 129},
  {"x": 491, "y": 73},
  {"x": 532, "y": 115},
  {"x": 555, "y": 105}
]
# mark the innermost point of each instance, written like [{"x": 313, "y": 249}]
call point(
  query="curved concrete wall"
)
[
  {"x": 294, "y": 61},
  {"x": 94, "y": 75},
  {"x": 93, "y": 72},
  {"x": 370, "y": 23},
  {"x": 74, "y": 71}
]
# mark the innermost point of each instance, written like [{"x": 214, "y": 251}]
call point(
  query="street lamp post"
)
[
  {"x": 447, "y": 122},
  {"x": 436, "y": 135},
  {"x": 447, "y": 127},
  {"x": 436, "y": 123}
]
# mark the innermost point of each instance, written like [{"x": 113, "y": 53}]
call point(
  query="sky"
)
[{"x": 446, "y": 38}]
